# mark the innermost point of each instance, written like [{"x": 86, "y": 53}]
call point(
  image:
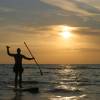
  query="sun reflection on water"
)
[{"x": 69, "y": 97}]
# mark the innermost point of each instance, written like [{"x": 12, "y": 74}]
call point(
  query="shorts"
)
[{"x": 18, "y": 69}]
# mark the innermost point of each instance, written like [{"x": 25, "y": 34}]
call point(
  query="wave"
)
[
  {"x": 59, "y": 90},
  {"x": 56, "y": 67}
]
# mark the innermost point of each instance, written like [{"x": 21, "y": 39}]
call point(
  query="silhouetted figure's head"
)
[{"x": 19, "y": 50}]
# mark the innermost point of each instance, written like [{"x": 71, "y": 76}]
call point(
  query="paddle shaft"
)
[{"x": 34, "y": 58}]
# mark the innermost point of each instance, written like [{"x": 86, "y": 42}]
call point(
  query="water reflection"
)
[
  {"x": 18, "y": 96},
  {"x": 82, "y": 97},
  {"x": 60, "y": 82}
]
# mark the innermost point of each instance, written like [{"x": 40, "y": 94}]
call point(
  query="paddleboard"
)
[{"x": 28, "y": 89}]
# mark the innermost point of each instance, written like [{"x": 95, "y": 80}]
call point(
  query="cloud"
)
[
  {"x": 87, "y": 31},
  {"x": 47, "y": 31},
  {"x": 6, "y": 9},
  {"x": 77, "y": 6},
  {"x": 70, "y": 12},
  {"x": 89, "y": 49},
  {"x": 86, "y": 7},
  {"x": 63, "y": 4},
  {"x": 95, "y": 3}
]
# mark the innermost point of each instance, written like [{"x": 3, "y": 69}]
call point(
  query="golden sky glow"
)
[{"x": 55, "y": 33}]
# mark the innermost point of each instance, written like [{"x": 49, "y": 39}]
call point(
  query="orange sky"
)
[{"x": 55, "y": 33}]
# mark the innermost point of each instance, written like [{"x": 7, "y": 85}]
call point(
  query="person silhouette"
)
[{"x": 18, "y": 69}]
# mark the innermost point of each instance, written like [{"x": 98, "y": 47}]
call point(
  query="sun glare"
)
[{"x": 65, "y": 32}]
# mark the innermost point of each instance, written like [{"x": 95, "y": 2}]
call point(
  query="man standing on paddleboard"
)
[{"x": 18, "y": 69}]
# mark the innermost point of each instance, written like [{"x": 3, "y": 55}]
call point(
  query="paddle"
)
[{"x": 34, "y": 58}]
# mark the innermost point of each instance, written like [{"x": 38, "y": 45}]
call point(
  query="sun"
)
[{"x": 65, "y": 34}]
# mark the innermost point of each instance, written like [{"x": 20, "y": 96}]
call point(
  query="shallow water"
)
[{"x": 59, "y": 82}]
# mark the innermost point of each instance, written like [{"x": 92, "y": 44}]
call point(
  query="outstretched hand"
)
[{"x": 33, "y": 58}]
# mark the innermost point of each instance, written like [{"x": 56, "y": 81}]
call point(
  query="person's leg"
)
[
  {"x": 20, "y": 80},
  {"x": 20, "y": 77},
  {"x": 16, "y": 75},
  {"x": 16, "y": 78}
]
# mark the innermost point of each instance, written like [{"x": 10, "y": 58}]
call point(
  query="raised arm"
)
[
  {"x": 8, "y": 52},
  {"x": 27, "y": 58}
]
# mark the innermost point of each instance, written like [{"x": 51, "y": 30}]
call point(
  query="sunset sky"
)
[{"x": 56, "y": 31}]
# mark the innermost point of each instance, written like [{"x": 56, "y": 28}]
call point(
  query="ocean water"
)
[{"x": 59, "y": 82}]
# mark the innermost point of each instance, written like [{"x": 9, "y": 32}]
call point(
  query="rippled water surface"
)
[{"x": 59, "y": 82}]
